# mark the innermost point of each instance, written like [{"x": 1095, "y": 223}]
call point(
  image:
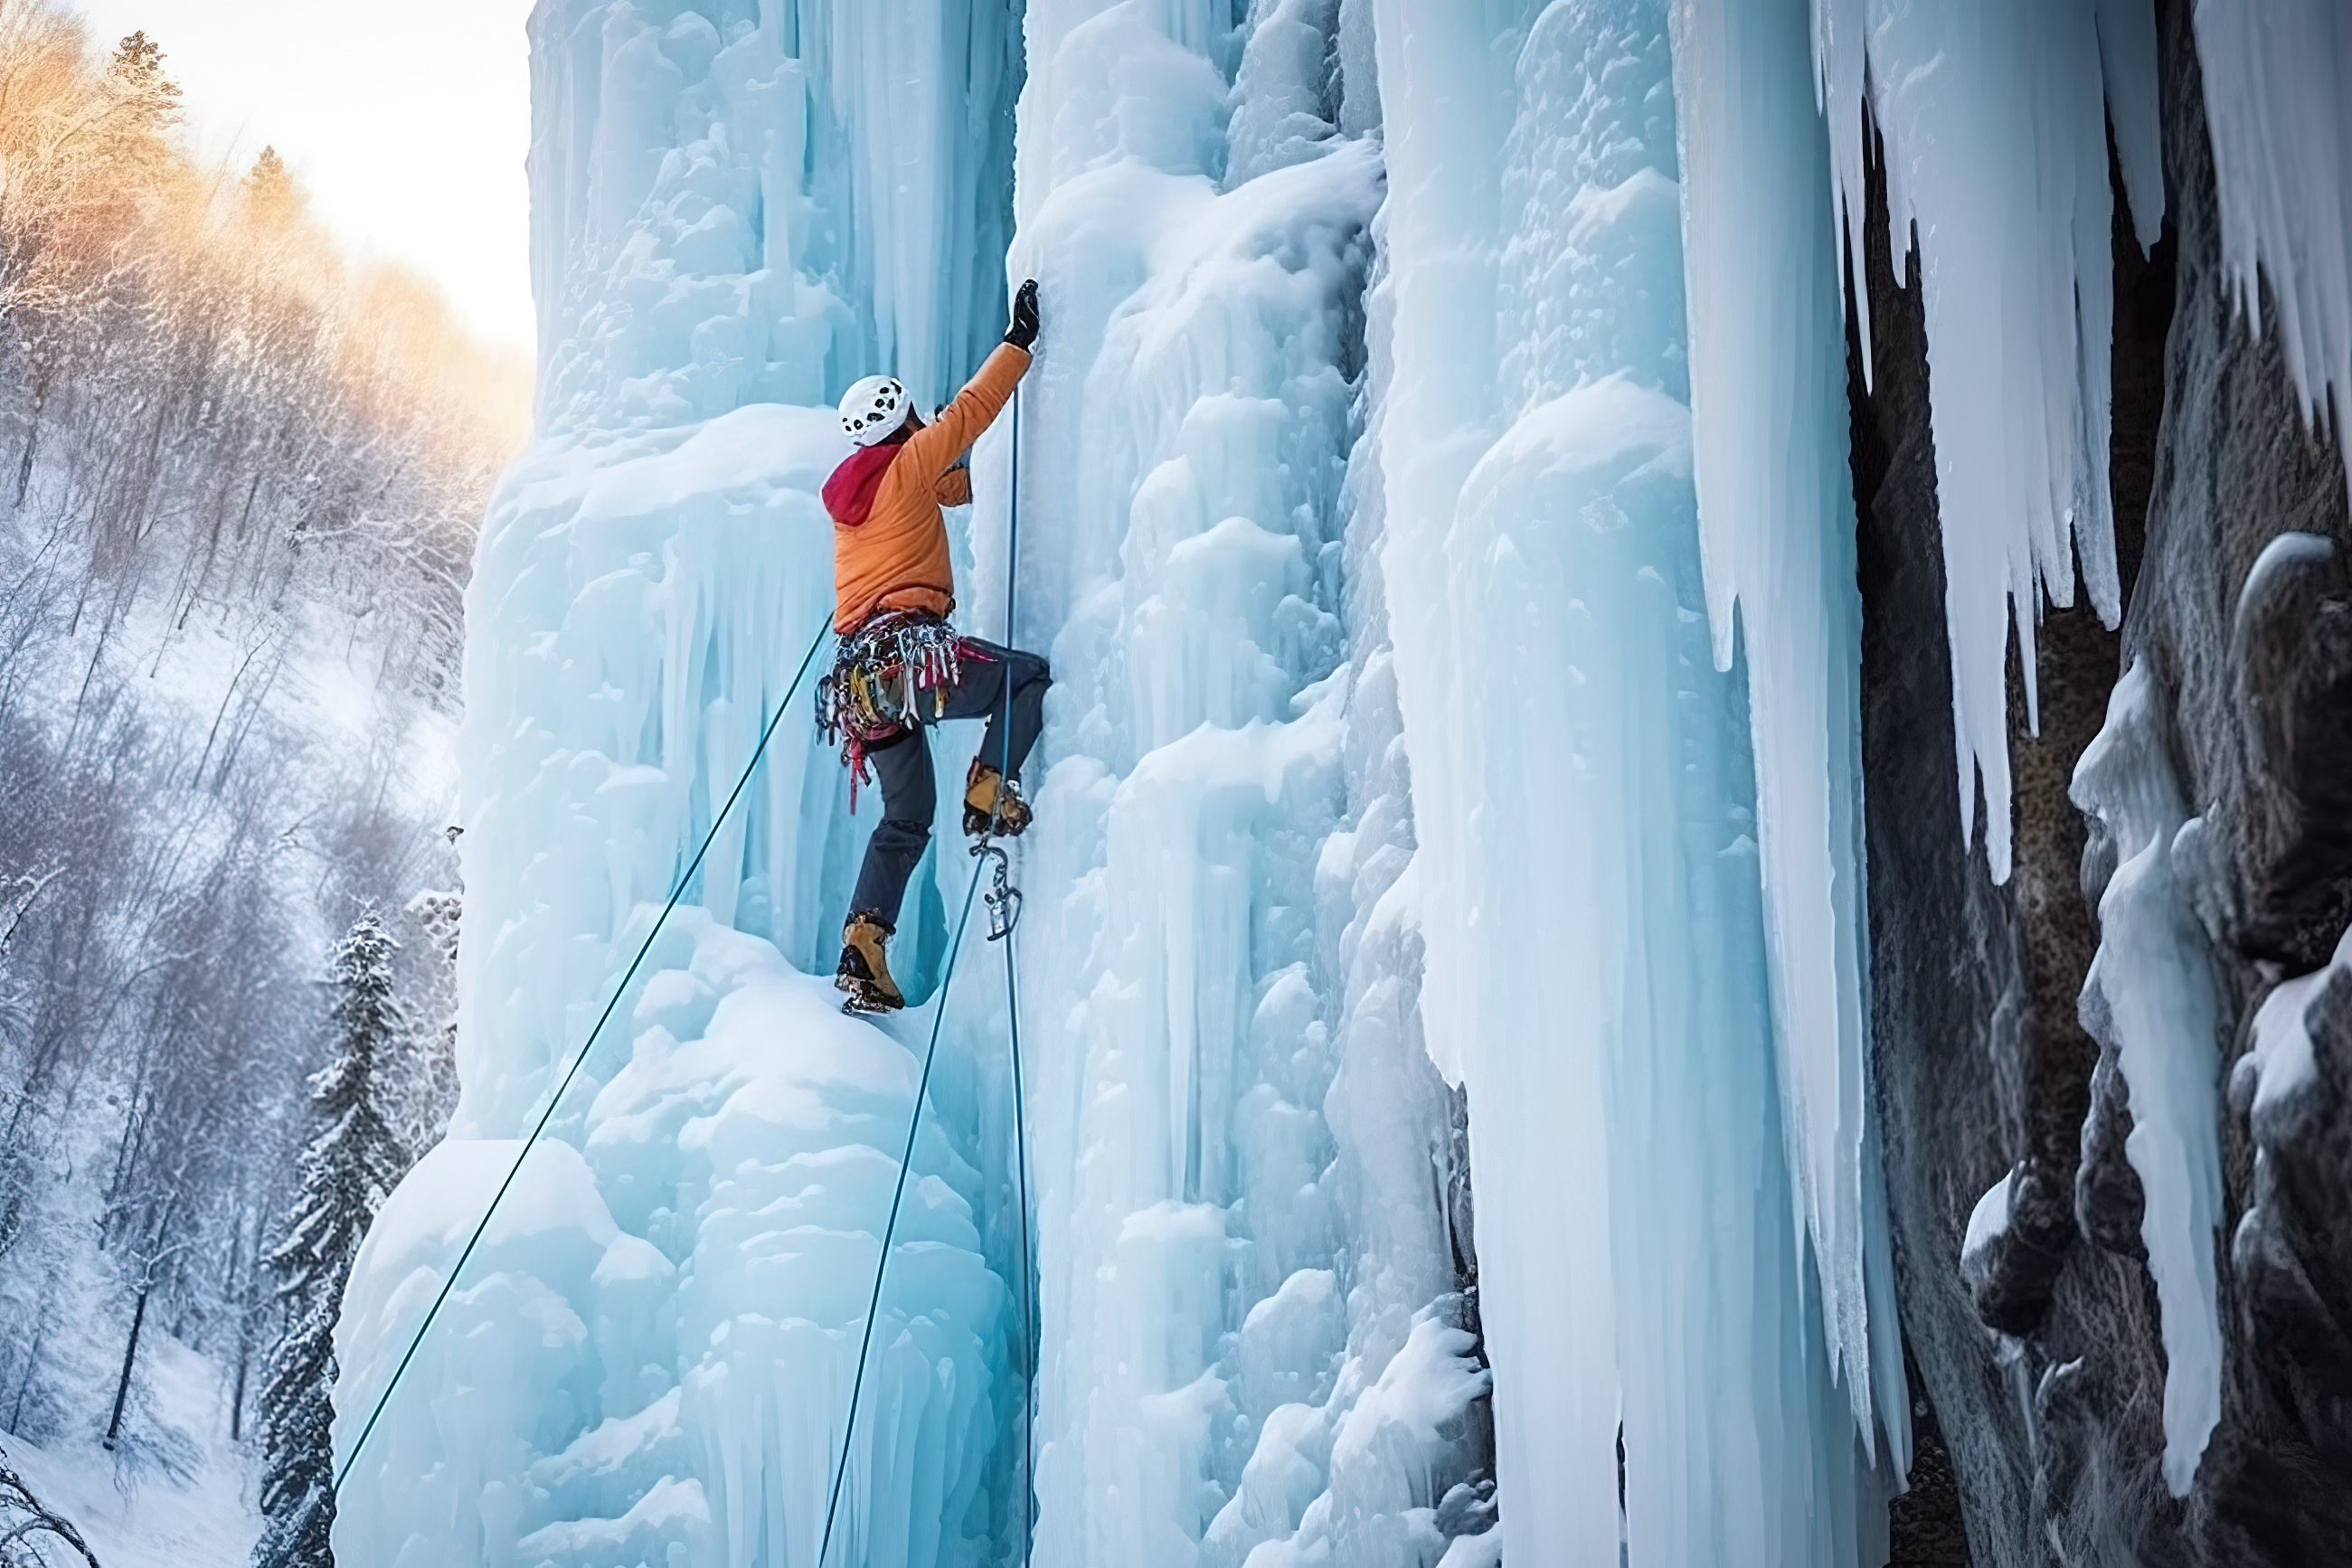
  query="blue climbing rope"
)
[
  {"x": 1012, "y": 1015},
  {"x": 915, "y": 1121},
  {"x": 1028, "y": 1270},
  {"x": 898, "y": 1197},
  {"x": 676, "y": 892},
  {"x": 981, "y": 863}
]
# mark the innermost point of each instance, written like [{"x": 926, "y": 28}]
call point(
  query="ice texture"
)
[
  {"x": 2281, "y": 130},
  {"x": 653, "y": 1345},
  {"x": 735, "y": 204},
  {"x": 1996, "y": 118},
  {"x": 1643, "y": 1258},
  {"x": 1258, "y": 1350},
  {"x": 1770, "y": 432},
  {"x": 2153, "y": 971},
  {"x": 1432, "y": 495}
]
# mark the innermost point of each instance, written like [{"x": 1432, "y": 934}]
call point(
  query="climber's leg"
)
[
  {"x": 990, "y": 806},
  {"x": 909, "y": 799}
]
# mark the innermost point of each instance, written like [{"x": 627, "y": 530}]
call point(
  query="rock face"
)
[{"x": 2042, "y": 1363}]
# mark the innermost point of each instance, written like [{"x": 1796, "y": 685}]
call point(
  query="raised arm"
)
[{"x": 935, "y": 447}]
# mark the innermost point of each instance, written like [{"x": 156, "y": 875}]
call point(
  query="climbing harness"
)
[
  {"x": 677, "y": 891},
  {"x": 1004, "y": 914},
  {"x": 880, "y": 674}
]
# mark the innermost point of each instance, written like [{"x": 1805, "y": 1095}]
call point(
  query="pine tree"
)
[
  {"x": 422, "y": 1097},
  {"x": 139, "y": 64},
  {"x": 270, "y": 193},
  {"x": 136, "y": 132},
  {"x": 138, "y": 71},
  {"x": 347, "y": 1171}
]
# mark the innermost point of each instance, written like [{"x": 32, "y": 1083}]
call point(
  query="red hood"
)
[{"x": 849, "y": 494}]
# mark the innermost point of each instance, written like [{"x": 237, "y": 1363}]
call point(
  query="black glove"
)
[{"x": 1024, "y": 330}]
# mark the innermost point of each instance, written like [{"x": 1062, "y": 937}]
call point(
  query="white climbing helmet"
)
[{"x": 873, "y": 409}]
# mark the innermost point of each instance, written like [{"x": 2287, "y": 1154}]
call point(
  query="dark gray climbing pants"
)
[{"x": 903, "y": 766}]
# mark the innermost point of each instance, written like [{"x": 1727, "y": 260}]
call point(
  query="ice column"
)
[
  {"x": 1777, "y": 525},
  {"x": 828, "y": 200},
  {"x": 2282, "y": 129},
  {"x": 649, "y": 1359},
  {"x": 1247, "y": 1288},
  {"x": 1587, "y": 879},
  {"x": 1996, "y": 159}
]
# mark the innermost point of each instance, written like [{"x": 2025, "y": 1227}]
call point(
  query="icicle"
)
[
  {"x": 1777, "y": 524},
  {"x": 2153, "y": 971},
  {"x": 1995, "y": 121},
  {"x": 2281, "y": 118}
]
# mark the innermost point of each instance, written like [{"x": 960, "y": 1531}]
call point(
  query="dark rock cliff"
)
[{"x": 2042, "y": 1371}]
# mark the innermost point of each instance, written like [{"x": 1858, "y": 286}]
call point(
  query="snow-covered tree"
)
[
  {"x": 351, "y": 1164},
  {"x": 419, "y": 1099},
  {"x": 272, "y": 198},
  {"x": 228, "y": 442},
  {"x": 138, "y": 65},
  {"x": 24, "y": 1517}
]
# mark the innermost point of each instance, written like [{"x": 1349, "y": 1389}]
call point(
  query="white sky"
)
[{"x": 408, "y": 123}]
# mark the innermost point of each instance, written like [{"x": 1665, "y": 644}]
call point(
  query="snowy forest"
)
[
  {"x": 1683, "y": 898},
  {"x": 243, "y": 479}
]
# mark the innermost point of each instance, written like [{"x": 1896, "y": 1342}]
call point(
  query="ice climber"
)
[{"x": 900, "y": 665}]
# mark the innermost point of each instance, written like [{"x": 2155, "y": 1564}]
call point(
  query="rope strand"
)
[
  {"x": 1028, "y": 1270},
  {"x": 938, "y": 1015},
  {"x": 1012, "y": 1015},
  {"x": 678, "y": 892},
  {"x": 898, "y": 1196}
]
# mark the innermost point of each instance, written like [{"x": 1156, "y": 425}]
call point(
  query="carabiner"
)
[{"x": 1002, "y": 898}]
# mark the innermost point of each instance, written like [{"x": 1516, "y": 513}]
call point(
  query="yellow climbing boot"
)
[
  {"x": 865, "y": 971},
  {"x": 991, "y": 805}
]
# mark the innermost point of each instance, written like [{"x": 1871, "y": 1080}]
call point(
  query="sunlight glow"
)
[{"x": 408, "y": 124}]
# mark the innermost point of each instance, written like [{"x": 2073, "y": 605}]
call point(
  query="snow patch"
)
[
  {"x": 2279, "y": 1067},
  {"x": 1988, "y": 1223}
]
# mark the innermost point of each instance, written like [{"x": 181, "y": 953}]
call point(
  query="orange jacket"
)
[{"x": 889, "y": 543}]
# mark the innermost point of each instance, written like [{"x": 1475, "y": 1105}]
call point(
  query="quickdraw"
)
[
  {"x": 884, "y": 669},
  {"x": 1003, "y": 899}
]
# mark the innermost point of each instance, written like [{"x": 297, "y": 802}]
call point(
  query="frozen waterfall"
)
[
  {"x": 1996, "y": 118},
  {"x": 1568, "y": 730},
  {"x": 1256, "y": 1343},
  {"x": 1443, "y": 976}
]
